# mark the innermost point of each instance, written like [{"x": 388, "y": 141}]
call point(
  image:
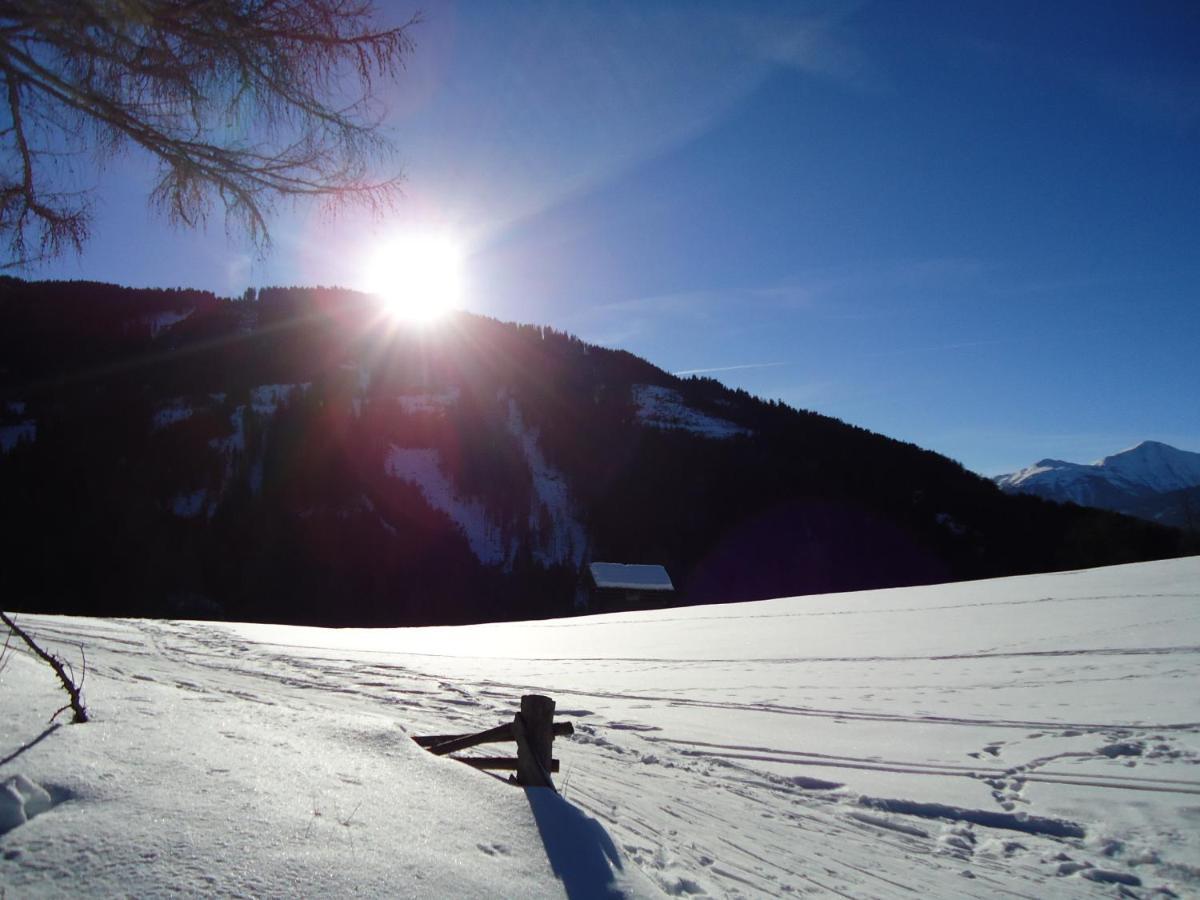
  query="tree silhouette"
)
[{"x": 240, "y": 103}]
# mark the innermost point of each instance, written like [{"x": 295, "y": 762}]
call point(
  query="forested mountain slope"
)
[{"x": 294, "y": 456}]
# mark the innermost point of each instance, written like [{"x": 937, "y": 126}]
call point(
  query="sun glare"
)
[{"x": 418, "y": 278}]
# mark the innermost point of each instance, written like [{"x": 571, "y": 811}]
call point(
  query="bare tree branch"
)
[
  {"x": 5, "y": 652},
  {"x": 240, "y": 102},
  {"x": 60, "y": 666}
]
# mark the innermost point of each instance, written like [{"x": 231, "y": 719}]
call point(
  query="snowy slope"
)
[
  {"x": 422, "y": 467},
  {"x": 565, "y": 538},
  {"x": 558, "y": 535},
  {"x": 1032, "y": 736}
]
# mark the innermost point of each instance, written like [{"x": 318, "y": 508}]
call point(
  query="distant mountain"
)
[
  {"x": 1152, "y": 481},
  {"x": 294, "y": 456}
]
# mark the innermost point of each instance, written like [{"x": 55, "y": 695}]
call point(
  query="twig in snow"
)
[
  {"x": 4, "y": 654},
  {"x": 60, "y": 666},
  {"x": 566, "y": 781},
  {"x": 316, "y": 814},
  {"x": 346, "y": 821}
]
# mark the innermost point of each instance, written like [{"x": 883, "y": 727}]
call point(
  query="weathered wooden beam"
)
[
  {"x": 507, "y": 763},
  {"x": 533, "y": 728},
  {"x": 561, "y": 729},
  {"x": 491, "y": 736}
]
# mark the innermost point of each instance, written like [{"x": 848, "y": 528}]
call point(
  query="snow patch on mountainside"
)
[
  {"x": 190, "y": 505},
  {"x": 557, "y": 536},
  {"x": 362, "y": 376},
  {"x": 566, "y": 539},
  {"x": 663, "y": 407},
  {"x": 235, "y": 442},
  {"x": 1055, "y": 471},
  {"x": 11, "y": 435},
  {"x": 421, "y": 466},
  {"x": 267, "y": 398},
  {"x": 428, "y": 402},
  {"x": 175, "y": 410},
  {"x": 160, "y": 322}
]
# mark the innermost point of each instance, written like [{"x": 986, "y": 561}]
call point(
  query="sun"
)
[{"x": 417, "y": 277}]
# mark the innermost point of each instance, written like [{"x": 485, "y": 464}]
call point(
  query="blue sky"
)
[{"x": 974, "y": 226}]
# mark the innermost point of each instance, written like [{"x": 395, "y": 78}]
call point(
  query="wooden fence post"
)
[{"x": 533, "y": 728}]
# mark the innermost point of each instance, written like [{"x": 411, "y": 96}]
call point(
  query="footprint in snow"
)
[
  {"x": 957, "y": 840},
  {"x": 1122, "y": 748}
]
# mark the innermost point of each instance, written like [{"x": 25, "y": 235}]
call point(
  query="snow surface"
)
[
  {"x": 1029, "y": 737},
  {"x": 422, "y": 467},
  {"x": 11, "y": 435},
  {"x": 631, "y": 576},
  {"x": 663, "y": 407}
]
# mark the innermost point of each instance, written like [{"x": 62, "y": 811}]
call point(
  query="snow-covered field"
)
[{"x": 1025, "y": 737}]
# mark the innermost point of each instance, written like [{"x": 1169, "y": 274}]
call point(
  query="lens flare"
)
[{"x": 418, "y": 278}]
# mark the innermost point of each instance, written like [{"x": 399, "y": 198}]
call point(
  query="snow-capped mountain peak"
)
[
  {"x": 1044, "y": 471},
  {"x": 1155, "y": 465},
  {"x": 1124, "y": 481}
]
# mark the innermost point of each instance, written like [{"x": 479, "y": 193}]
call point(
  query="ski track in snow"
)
[{"x": 828, "y": 775}]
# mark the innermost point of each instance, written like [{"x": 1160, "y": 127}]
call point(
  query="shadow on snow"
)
[{"x": 580, "y": 851}]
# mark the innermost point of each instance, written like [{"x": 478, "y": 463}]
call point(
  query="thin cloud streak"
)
[{"x": 769, "y": 365}]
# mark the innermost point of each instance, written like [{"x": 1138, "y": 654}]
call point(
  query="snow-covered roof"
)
[{"x": 631, "y": 577}]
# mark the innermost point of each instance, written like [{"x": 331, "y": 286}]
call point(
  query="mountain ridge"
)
[
  {"x": 291, "y": 456},
  {"x": 1151, "y": 480}
]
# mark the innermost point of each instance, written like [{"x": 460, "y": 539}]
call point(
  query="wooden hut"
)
[{"x": 613, "y": 587}]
